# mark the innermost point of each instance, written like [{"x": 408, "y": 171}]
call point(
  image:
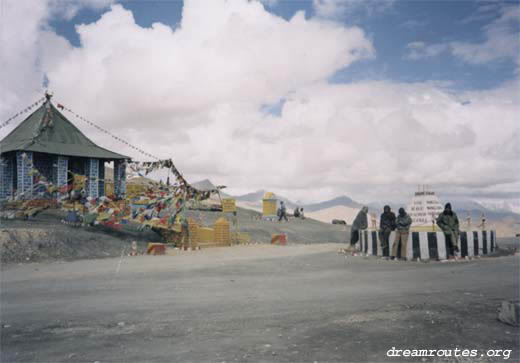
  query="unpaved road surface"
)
[{"x": 301, "y": 303}]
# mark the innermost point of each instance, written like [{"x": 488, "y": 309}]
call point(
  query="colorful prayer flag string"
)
[
  {"x": 190, "y": 192},
  {"x": 25, "y": 110}
]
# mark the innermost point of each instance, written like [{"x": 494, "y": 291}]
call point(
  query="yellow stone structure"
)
[
  {"x": 206, "y": 234},
  {"x": 222, "y": 231},
  {"x": 194, "y": 232},
  {"x": 269, "y": 203},
  {"x": 229, "y": 205}
]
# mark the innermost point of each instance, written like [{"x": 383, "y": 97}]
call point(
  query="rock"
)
[
  {"x": 121, "y": 323},
  {"x": 510, "y": 313}
]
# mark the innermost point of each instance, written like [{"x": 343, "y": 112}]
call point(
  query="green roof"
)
[{"x": 62, "y": 138}]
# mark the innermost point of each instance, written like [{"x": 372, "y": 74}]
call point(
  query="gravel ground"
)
[{"x": 259, "y": 303}]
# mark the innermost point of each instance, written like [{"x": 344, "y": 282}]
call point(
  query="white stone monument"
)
[{"x": 424, "y": 207}]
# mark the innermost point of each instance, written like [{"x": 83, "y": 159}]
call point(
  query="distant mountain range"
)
[
  {"x": 493, "y": 209},
  {"x": 256, "y": 197},
  {"x": 338, "y": 201},
  {"x": 203, "y": 185},
  {"x": 346, "y": 207},
  {"x": 460, "y": 205},
  {"x": 512, "y": 205},
  {"x": 252, "y": 197}
]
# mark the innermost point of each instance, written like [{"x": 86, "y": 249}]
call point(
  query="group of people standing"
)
[
  {"x": 282, "y": 212},
  {"x": 389, "y": 222}
]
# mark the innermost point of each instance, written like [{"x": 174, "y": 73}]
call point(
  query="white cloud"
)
[
  {"x": 69, "y": 8},
  {"x": 269, "y": 2},
  {"x": 419, "y": 50},
  {"x": 485, "y": 11},
  {"x": 501, "y": 42},
  {"x": 335, "y": 9},
  {"x": 416, "y": 45},
  {"x": 196, "y": 93},
  {"x": 507, "y": 150},
  {"x": 19, "y": 78},
  {"x": 223, "y": 52},
  {"x": 24, "y": 36}
]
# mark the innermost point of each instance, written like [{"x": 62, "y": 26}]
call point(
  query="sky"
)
[{"x": 308, "y": 99}]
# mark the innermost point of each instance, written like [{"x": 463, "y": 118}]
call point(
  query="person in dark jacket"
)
[
  {"x": 387, "y": 224},
  {"x": 360, "y": 223},
  {"x": 403, "y": 223},
  {"x": 449, "y": 223},
  {"x": 283, "y": 212}
]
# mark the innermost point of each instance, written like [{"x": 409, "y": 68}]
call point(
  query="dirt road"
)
[{"x": 301, "y": 303}]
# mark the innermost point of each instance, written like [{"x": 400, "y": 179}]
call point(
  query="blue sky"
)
[
  {"x": 308, "y": 99},
  {"x": 391, "y": 29}
]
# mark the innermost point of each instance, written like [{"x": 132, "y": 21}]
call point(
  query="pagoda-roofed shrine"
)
[{"x": 50, "y": 144}]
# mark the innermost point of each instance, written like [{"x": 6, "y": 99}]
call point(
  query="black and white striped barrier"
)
[{"x": 432, "y": 245}]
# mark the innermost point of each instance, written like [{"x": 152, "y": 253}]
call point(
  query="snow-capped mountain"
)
[{"x": 501, "y": 205}]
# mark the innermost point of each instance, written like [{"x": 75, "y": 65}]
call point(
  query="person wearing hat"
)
[
  {"x": 387, "y": 224},
  {"x": 283, "y": 212},
  {"x": 403, "y": 223},
  {"x": 360, "y": 223},
  {"x": 449, "y": 223},
  {"x": 297, "y": 212}
]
